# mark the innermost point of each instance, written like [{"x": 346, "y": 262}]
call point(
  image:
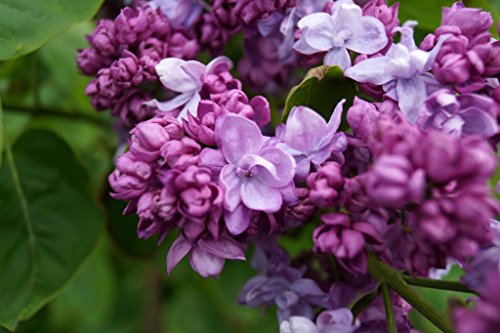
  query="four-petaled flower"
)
[{"x": 345, "y": 29}]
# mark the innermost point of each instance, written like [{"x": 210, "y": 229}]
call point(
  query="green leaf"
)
[
  {"x": 49, "y": 226},
  {"x": 26, "y": 25},
  {"x": 1, "y": 132},
  {"x": 322, "y": 88}
]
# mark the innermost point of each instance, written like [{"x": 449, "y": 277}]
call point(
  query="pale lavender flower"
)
[
  {"x": 459, "y": 115},
  {"x": 333, "y": 321},
  {"x": 310, "y": 139},
  {"x": 185, "y": 78},
  {"x": 180, "y": 13},
  {"x": 257, "y": 177},
  {"x": 206, "y": 256},
  {"x": 403, "y": 72},
  {"x": 345, "y": 29}
]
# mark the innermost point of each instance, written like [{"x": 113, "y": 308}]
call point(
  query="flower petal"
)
[
  {"x": 173, "y": 75},
  {"x": 223, "y": 247},
  {"x": 297, "y": 324},
  {"x": 336, "y": 117},
  {"x": 238, "y": 220},
  {"x": 479, "y": 122},
  {"x": 317, "y": 31},
  {"x": 411, "y": 96},
  {"x": 171, "y": 104},
  {"x": 347, "y": 16},
  {"x": 231, "y": 185},
  {"x": 370, "y": 71},
  {"x": 258, "y": 196},
  {"x": 371, "y": 37},
  {"x": 205, "y": 263},
  {"x": 305, "y": 129},
  {"x": 284, "y": 168},
  {"x": 219, "y": 65},
  {"x": 238, "y": 136},
  {"x": 212, "y": 159},
  {"x": 177, "y": 251},
  {"x": 338, "y": 57}
]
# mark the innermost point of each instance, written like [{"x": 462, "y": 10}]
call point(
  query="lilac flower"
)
[
  {"x": 402, "y": 71},
  {"x": 345, "y": 240},
  {"x": 483, "y": 318},
  {"x": 393, "y": 182},
  {"x": 309, "y": 138},
  {"x": 388, "y": 15},
  {"x": 293, "y": 298},
  {"x": 185, "y": 77},
  {"x": 325, "y": 185},
  {"x": 471, "y": 21},
  {"x": 103, "y": 38},
  {"x": 333, "y": 321},
  {"x": 459, "y": 115},
  {"x": 206, "y": 256},
  {"x": 487, "y": 260},
  {"x": 345, "y": 29},
  {"x": 180, "y": 13},
  {"x": 256, "y": 176}
]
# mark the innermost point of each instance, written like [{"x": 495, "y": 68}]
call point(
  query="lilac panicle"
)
[{"x": 339, "y": 320}]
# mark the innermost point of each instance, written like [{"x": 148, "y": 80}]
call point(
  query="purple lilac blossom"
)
[
  {"x": 345, "y": 29},
  {"x": 338, "y": 321},
  {"x": 310, "y": 139},
  {"x": 254, "y": 176},
  {"x": 181, "y": 13},
  {"x": 186, "y": 78},
  {"x": 403, "y": 71},
  {"x": 483, "y": 317},
  {"x": 345, "y": 240}
]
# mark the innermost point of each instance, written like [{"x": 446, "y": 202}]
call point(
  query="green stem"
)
[
  {"x": 389, "y": 313},
  {"x": 385, "y": 273},
  {"x": 437, "y": 284}
]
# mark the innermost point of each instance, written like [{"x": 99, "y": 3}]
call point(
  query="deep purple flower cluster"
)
[
  {"x": 123, "y": 54},
  {"x": 407, "y": 183}
]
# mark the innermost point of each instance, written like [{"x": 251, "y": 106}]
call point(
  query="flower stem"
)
[
  {"x": 394, "y": 279},
  {"x": 437, "y": 284},
  {"x": 389, "y": 313}
]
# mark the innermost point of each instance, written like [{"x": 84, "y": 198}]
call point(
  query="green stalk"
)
[
  {"x": 389, "y": 313},
  {"x": 437, "y": 284},
  {"x": 385, "y": 273}
]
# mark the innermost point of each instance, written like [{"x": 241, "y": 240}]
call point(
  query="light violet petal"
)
[
  {"x": 318, "y": 31},
  {"x": 284, "y": 167},
  {"x": 479, "y": 122},
  {"x": 223, "y": 247},
  {"x": 298, "y": 324},
  {"x": 338, "y": 57},
  {"x": 231, "y": 184},
  {"x": 347, "y": 16},
  {"x": 205, "y": 263},
  {"x": 238, "y": 220},
  {"x": 303, "y": 168},
  {"x": 303, "y": 47},
  {"x": 371, "y": 37},
  {"x": 289, "y": 194},
  {"x": 219, "y": 65},
  {"x": 212, "y": 159},
  {"x": 171, "y": 104},
  {"x": 370, "y": 71},
  {"x": 257, "y": 196},
  {"x": 411, "y": 96},
  {"x": 304, "y": 129},
  {"x": 177, "y": 251},
  {"x": 336, "y": 118},
  {"x": 174, "y": 77},
  {"x": 434, "y": 52},
  {"x": 238, "y": 136},
  {"x": 307, "y": 287}
]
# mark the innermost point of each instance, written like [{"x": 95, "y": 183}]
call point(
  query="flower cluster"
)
[{"x": 401, "y": 175}]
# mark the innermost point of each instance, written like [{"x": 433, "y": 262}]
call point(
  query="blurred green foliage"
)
[{"x": 120, "y": 284}]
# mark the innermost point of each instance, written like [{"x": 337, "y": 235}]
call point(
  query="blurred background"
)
[{"x": 114, "y": 282}]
